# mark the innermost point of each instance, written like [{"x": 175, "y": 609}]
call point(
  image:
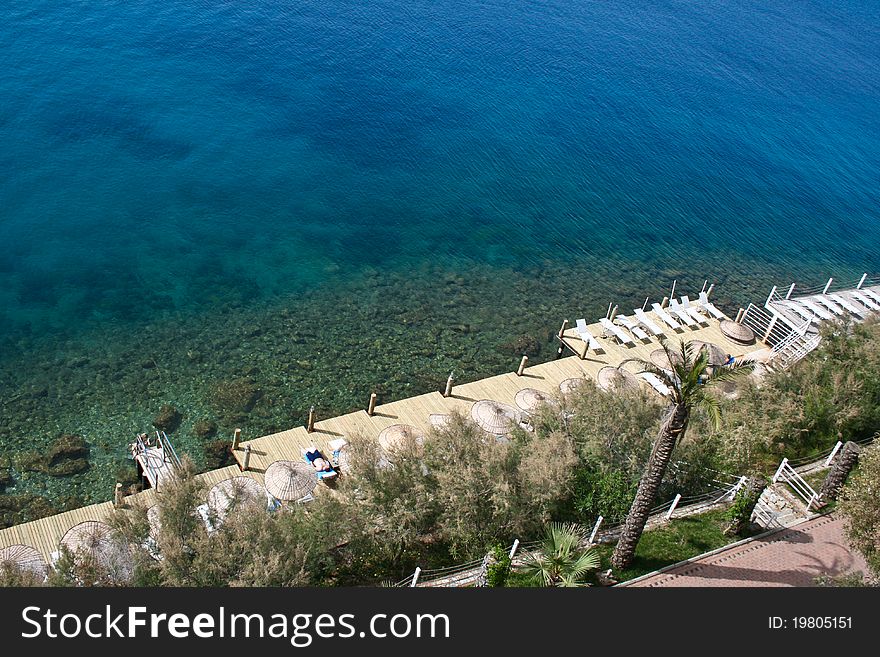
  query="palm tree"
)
[
  {"x": 689, "y": 388},
  {"x": 560, "y": 560}
]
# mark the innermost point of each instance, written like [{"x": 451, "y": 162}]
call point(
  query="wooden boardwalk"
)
[{"x": 45, "y": 534}]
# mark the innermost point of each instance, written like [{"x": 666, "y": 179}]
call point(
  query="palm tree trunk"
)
[
  {"x": 846, "y": 461},
  {"x": 673, "y": 428}
]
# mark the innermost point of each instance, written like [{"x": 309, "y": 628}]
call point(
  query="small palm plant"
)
[{"x": 561, "y": 559}]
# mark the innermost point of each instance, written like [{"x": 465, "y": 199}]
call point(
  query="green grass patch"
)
[{"x": 679, "y": 539}]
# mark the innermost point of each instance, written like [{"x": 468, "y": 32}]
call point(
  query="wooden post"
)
[
  {"x": 613, "y": 313},
  {"x": 118, "y": 496},
  {"x": 236, "y": 436},
  {"x": 311, "y": 424},
  {"x": 790, "y": 290},
  {"x": 664, "y": 302},
  {"x": 448, "y": 391},
  {"x": 827, "y": 285},
  {"x": 739, "y": 315},
  {"x": 522, "y": 365},
  {"x": 247, "y": 457},
  {"x": 372, "y": 407},
  {"x": 562, "y": 330}
]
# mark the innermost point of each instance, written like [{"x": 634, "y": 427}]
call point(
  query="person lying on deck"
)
[{"x": 321, "y": 464}]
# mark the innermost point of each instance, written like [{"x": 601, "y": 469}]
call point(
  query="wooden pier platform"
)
[{"x": 45, "y": 534}]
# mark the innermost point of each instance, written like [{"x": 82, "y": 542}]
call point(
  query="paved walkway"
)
[{"x": 791, "y": 557}]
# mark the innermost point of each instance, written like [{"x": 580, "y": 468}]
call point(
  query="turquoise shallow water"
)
[{"x": 323, "y": 198}]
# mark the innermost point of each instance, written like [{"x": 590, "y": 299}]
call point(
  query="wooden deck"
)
[{"x": 45, "y": 534}]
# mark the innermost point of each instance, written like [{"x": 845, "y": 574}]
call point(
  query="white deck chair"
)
[
  {"x": 585, "y": 335},
  {"x": 711, "y": 307},
  {"x": 870, "y": 293},
  {"x": 633, "y": 327},
  {"x": 679, "y": 312},
  {"x": 815, "y": 309},
  {"x": 846, "y": 305},
  {"x": 664, "y": 316},
  {"x": 825, "y": 301},
  {"x": 647, "y": 323},
  {"x": 622, "y": 337},
  {"x": 693, "y": 310},
  {"x": 656, "y": 383},
  {"x": 865, "y": 301}
]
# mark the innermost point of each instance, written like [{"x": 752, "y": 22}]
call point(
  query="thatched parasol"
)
[
  {"x": 233, "y": 493},
  {"x": 531, "y": 399},
  {"x": 737, "y": 332},
  {"x": 659, "y": 358},
  {"x": 494, "y": 417},
  {"x": 397, "y": 435},
  {"x": 570, "y": 384},
  {"x": 95, "y": 541},
  {"x": 290, "y": 480},
  {"x": 439, "y": 420},
  {"x": 717, "y": 355},
  {"x": 24, "y": 558},
  {"x": 616, "y": 379}
]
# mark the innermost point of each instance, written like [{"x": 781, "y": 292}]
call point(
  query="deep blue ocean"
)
[{"x": 161, "y": 160}]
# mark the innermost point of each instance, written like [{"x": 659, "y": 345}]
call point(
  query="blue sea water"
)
[
  {"x": 277, "y": 204},
  {"x": 157, "y": 155}
]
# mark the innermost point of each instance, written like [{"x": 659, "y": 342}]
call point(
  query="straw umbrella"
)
[
  {"x": 24, "y": 558},
  {"x": 439, "y": 420},
  {"x": 531, "y": 399},
  {"x": 570, "y": 384},
  {"x": 737, "y": 332},
  {"x": 659, "y": 358},
  {"x": 290, "y": 480},
  {"x": 94, "y": 541},
  {"x": 616, "y": 379},
  {"x": 717, "y": 356},
  {"x": 233, "y": 493},
  {"x": 494, "y": 417},
  {"x": 398, "y": 435}
]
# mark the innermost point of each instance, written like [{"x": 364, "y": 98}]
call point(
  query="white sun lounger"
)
[
  {"x": 693, "y": 310},
  {"x": 825, "y": 301},
  {"x": 622, "y": 337},
  {"x": 585, "y": 335},
  {"x": 815, "y": 309},
  {"x": 679, "y": 312},
  {"x": 870, "y": 293},
  {"x": 647, "y": 323},
  {"x": 656, "y": 383},
  {"x": 665, "y": 317},
  {"x": 865, "y": 301},
  {"x": 711, "y": 307},
  {"x": 846, "y": 305},
  {"x": 633, "y": 327}
]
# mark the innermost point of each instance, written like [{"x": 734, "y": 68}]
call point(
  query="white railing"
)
[{"x": 798, "y": 484}]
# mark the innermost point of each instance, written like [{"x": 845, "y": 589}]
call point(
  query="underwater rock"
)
[
  {"x": 168, "y": 418},
  {"x": 68, "y": 455},
  {"x": 236, "y": 398},
  {"x": 218, "y": 454},
  {"x": 205, "y": 428},
  {"x": 15, "y": 509},
  {"x": 524, "y": 345}
]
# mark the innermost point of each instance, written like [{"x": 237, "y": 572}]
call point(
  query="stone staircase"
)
[{"x": 777, "y": 508}]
